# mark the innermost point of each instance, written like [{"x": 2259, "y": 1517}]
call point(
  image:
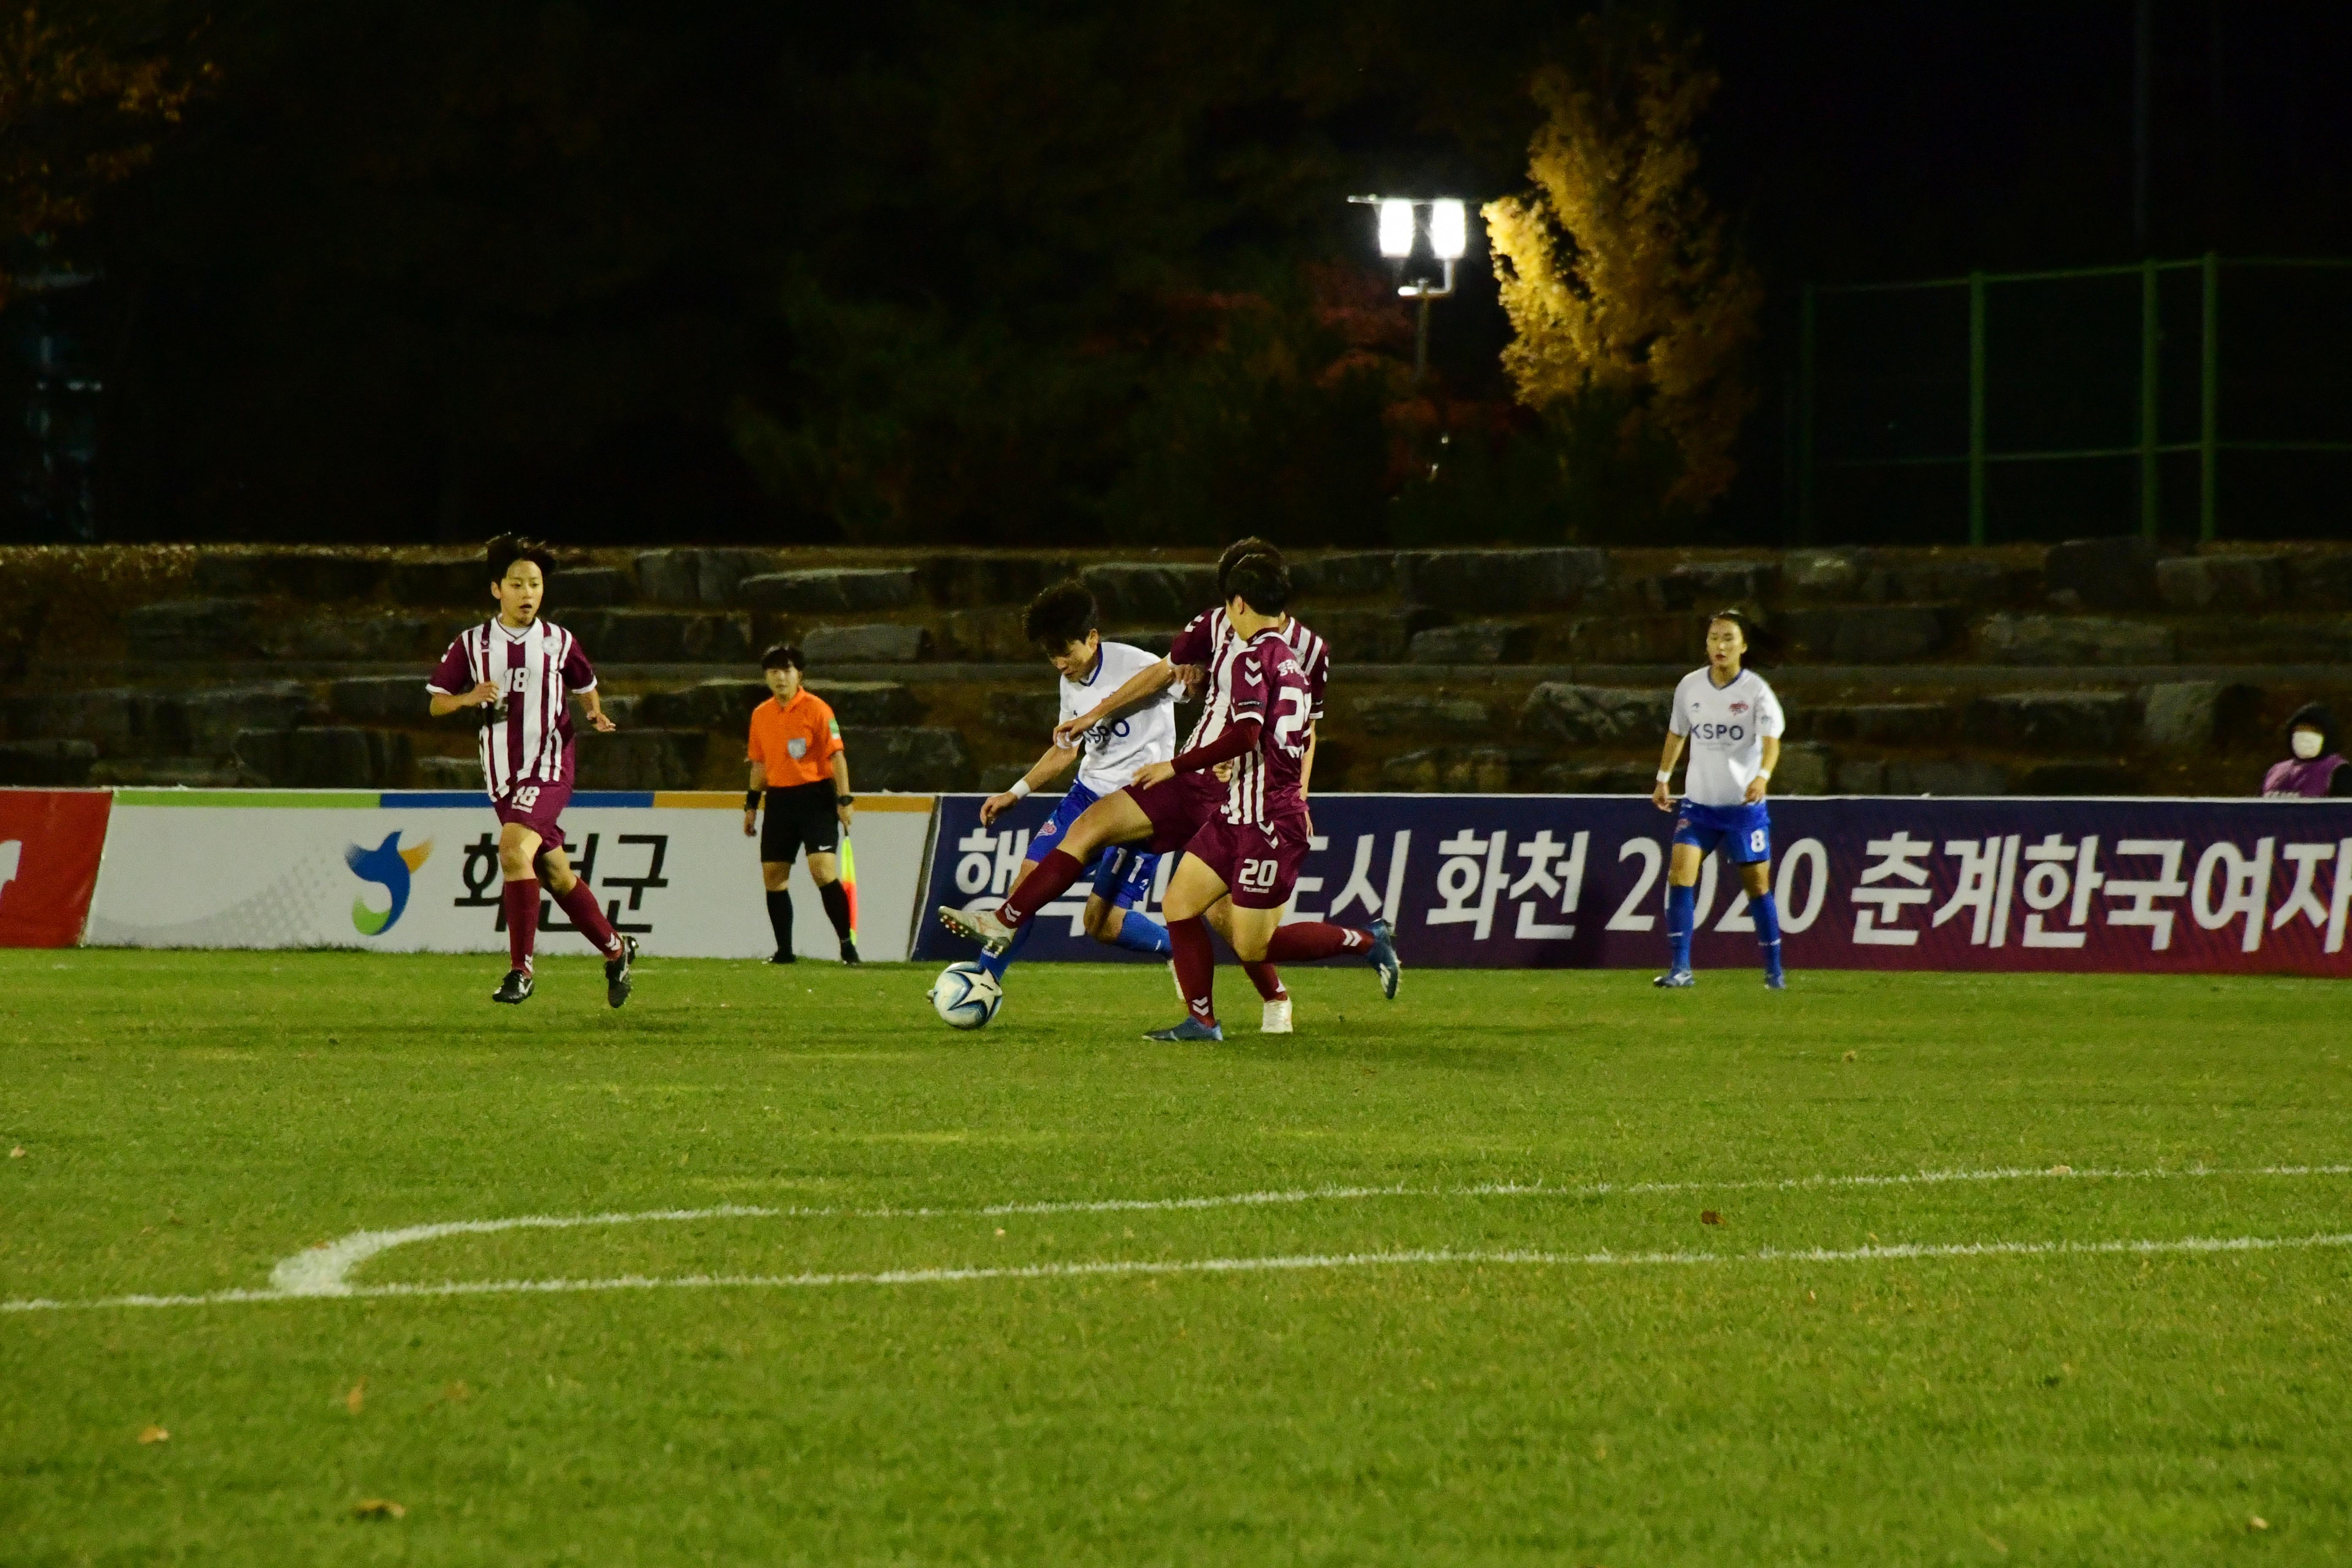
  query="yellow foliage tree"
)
[
  {"x": 1630, "y": 311},
  {"x": 74, "y": 118}
]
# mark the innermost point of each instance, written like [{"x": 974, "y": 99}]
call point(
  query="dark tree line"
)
[{"x": 1016, "y": 272}]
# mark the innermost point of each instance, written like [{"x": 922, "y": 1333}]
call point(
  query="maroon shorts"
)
[
  {"x": 1178, "y": 807},
  {"x": 539, "y": 806},
  {"x": 1259, "y": 863}
]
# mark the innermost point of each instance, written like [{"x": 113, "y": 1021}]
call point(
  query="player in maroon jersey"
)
[
  {"x": 1167, "y": 815},
  {"x": 1172, "y": 806},
  {"x": 522, "y": 672},
  {"x": 1251, "y": 848}
]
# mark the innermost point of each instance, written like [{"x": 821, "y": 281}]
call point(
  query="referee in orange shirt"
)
[{"x": 798, "y": 764}]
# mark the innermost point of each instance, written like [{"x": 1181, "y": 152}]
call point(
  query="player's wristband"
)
[
  {"x": 751, "y": 799},
  {"x": 1765, "y": 774},
  {"x": 1020, "y": 789},
  {"x": 1666, "y": 774}
]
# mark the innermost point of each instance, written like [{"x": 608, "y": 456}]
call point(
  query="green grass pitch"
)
[{"x": 1507, "y": 1332}]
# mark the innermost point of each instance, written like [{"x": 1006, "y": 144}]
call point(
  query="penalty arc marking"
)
[{"x": 324, "y": 1271}]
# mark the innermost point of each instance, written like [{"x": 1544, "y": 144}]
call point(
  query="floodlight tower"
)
[{"x": 1448, "y": 230}]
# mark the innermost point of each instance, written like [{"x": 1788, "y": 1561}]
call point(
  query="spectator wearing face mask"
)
[{"x": 2315, "y": 770}]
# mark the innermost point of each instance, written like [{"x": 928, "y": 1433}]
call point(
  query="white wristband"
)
[
  {"x": 1020, "y": 789},
  {"x": 1765, "y": 774},
  {"x": 1665, "y": 774}
]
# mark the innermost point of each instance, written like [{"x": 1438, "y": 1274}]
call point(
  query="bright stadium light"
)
[
  {"x": 1449, "y": 227},
  {"x": 1449, "y": 240}
]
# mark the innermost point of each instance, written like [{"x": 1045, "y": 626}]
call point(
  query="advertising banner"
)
[
  {"x": 1579, "y": 882},
  {"x": 408, "y": 871},
  {"x": 50, "y": 841}
]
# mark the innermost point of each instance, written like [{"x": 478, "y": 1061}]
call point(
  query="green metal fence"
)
[{"x": 1913, "y": 383}]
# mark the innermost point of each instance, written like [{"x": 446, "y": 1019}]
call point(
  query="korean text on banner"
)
[
  {"x": 50, "y": 841},
  {"x": 406, "y": 871},
  {"x": 1579, "y": 882}
]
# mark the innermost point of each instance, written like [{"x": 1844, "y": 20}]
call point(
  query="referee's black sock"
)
[
  {"x": 779, "y": 919},
  {"x": 836, "y": 907}
]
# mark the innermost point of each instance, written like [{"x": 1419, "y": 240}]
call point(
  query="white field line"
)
[
  {"x": 2194, "y": 1244},
  {"x": 325, "y": 1270}
]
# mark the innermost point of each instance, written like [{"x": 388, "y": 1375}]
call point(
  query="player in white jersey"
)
[
  {"x": 522, "y": 672},
  {"x": 1062, "y": 622},
  {"x": 1164, "y": 815},
  {"x": 1732, "y": 723}
]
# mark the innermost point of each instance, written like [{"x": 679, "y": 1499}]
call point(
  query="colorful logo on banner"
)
[{"x": 389, "y": 867}]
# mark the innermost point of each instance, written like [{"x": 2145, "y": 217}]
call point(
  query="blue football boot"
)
[
  {"x": 1190, "y": 1029},
  {"x": 1384, "y": 958}
]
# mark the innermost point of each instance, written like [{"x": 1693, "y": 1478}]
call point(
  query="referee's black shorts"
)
[{"x": 801, "y": 817}]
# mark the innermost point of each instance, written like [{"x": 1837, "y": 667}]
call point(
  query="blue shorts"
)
[
  {"x": 1122, "y": 873},
  {"x": 1744, "y": 832}
]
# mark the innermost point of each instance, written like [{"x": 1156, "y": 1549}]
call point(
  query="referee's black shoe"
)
[
  {"x": 617, "y": 971},
  {"x": 848, "y": 952}
]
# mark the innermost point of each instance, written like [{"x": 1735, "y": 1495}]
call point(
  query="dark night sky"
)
[{"x": 422, "y": 270}]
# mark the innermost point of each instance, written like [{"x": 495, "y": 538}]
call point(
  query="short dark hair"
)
[
  {"x": 1262, "y": 582},
  {"x": 1062, "y": 615},
  {"x": 784, "y": 656},
  {"x": 508, "y": 548},
  {"x": 1238, "y": 550}
]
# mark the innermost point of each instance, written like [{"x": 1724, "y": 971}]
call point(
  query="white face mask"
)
[{"x": 2306, "y": 743}]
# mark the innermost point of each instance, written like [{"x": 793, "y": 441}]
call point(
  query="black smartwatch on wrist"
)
[{"x": 845, "y": 800}]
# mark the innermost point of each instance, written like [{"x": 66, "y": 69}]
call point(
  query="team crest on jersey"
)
[
  {"x": 1740, "y": 707},
  {"x": 797, "y": 746}
]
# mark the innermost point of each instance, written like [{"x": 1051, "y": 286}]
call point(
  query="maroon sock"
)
[
  {"x": 1196, "y": 967},
  {"x": 521, "y": 901},
  {"x": 1048, "y": 879},
  {"x": 1267, "y": 979},
  {"x": 1310, "y": 940},
  {"x": 581, "y": 905}
]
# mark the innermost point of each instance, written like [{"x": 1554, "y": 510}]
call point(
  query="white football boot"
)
[
  {"x": 1278, "y": 1018},
  {"x": 977, "y": 925}
]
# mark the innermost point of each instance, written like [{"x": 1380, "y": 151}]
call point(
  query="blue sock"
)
[
  {"x": 1682, "y": 908},
  {"x": 1766, "y": 916},
  {"x": 1139, "y": 933},
  {"x": 997, "y": 963}
]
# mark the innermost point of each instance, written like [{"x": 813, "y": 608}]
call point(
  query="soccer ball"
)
[{"x": 966, "y": 995}]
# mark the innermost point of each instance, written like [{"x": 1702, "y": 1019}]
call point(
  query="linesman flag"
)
[{"x": 849, "y": 882}]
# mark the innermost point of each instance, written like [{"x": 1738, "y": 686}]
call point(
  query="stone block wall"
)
[{"x": 2100, "y": 666}]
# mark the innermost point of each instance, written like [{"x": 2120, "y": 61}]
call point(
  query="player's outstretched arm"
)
[
  {"x": 1142, "y": 687},
  {"x": 1046, "y": 768},
  {"x": 1241, "y": 736},
  {"x": 1666, "y": 760},
  {"x": 1756, "y": 785},
  {"x": 594, "y": 704}
]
